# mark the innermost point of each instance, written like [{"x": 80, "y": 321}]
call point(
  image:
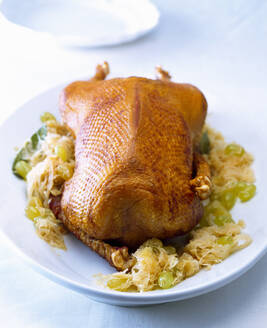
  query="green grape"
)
[
  {"x": 65, "y": 171},
  {"x": 221, "y": 220},
  {"x": 228, "y": 198},
  {"x": 165, "y": 280},
  {"x": 239, "y": 186},
  {"x": 214, "y": 196},
  {"x": 153, "y": 242},
  {"x": 22, "y": 168},
  {"x": 61, "y": 153},
  {"x": 215, "y": 208},
  {"x": 247, "y": 193},
  {"x": 32, "y": 212},
  {"x": 217, "y": 213},
  {"x": 234, "y": 149},
  {"x": 170, "y": 249},
  {"x": 46, "y": 116},
  {"x": 224, "y": 240},
  {"x": 116, "y": 283}
]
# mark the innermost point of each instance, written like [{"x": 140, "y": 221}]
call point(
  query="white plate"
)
[
  {"x": 75, "y": 268},
  {"x": 85, "y": 22}
]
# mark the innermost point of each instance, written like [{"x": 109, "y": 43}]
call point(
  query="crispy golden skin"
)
[{"x": 135, "y": 140}]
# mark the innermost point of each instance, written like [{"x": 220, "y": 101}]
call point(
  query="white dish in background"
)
[
  {"x": 76, "y": 267},
  {"x": 85, "y": 22}
]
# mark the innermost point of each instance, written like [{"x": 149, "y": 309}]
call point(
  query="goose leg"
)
[
  {"x": 101, "y": 72},
  {"x": 118, "y": 257},
  {"x": 162, "y": 75},
  {"x": 201, "y": 184}
]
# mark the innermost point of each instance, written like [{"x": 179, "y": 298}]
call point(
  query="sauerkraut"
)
[
  {"x": 51, "y": 165},
  {"x": 215, "y": 238},
  {"x": 227, "y": 169}
]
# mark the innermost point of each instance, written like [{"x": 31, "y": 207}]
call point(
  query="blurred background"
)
[
  {"x": 219, "y": 46},
  {"x": 216, "y": 45}
]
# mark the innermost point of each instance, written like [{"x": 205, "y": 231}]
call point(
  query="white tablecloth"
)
[{"x": 217, "y": 45}]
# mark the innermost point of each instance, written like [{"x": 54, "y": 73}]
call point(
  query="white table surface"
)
[{"x": 219, "y": 46}]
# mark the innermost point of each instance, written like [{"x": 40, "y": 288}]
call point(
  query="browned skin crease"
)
[
  {"x": 135, "y": 160},
  {"x": 136, "y": 110}
]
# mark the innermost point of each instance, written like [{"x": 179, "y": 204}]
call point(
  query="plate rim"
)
[{"x": 130, "y": 299}]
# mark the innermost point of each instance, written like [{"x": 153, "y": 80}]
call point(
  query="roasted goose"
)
[{"x": 138, "y": 171}]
